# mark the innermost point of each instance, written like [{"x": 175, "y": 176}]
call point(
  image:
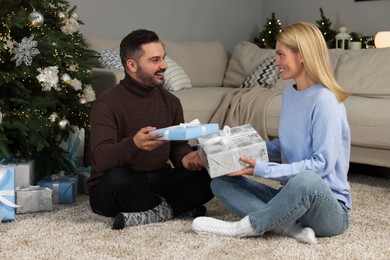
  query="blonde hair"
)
[{"x": 307, "y": 39}]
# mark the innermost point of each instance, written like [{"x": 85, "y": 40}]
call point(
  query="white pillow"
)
[
  {"x": 110, "y": 59},
  {"x": 175, "y": 77}
]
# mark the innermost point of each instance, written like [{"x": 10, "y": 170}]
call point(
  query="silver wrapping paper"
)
[{"x": 33, "y": 199}]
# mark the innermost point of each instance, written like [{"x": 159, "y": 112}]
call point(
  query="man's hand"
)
[
  {"x": 192, "y": 161},
  {"x": 247, "y": 171},
  {"x": 144, "y": 141}
]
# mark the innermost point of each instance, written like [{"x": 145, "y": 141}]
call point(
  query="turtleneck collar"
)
[{"x": 136, "y": 87}]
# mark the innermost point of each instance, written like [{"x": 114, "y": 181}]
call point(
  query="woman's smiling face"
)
[{"x": 289, "y": 63}]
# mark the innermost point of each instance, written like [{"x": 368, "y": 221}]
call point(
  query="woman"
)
[{"x": 314, "y": 147}]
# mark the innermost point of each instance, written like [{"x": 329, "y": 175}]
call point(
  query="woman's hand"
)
[{"x": 248, "y": 170}]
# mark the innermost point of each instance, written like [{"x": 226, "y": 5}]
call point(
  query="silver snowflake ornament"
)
[{"x": 25, "y": 51}]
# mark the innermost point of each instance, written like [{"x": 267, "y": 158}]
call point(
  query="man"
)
[{"x": 131, "y": 178}]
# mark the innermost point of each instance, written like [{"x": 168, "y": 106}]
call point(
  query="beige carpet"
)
[{"x": 74, "y": 232}]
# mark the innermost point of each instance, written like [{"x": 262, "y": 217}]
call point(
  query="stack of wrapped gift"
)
[
  {"x": 64, "y": 187},
  {"x": 187, "y": 131},
  {"x": 7, "y": 194},
  {"x": 33, "y": 199},
  {"x": 221, "y": 152}
]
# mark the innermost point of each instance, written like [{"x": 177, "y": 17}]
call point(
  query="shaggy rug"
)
[{"x": 74, "y": 232}]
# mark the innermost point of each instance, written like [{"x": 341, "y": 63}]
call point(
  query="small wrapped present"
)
[
  {"x": 7, "y": 194},
  {"x": 33, "y": 199},
  {"x": 64, "y": 187},
  {"x": 83, "y": 174},
  {"x": 187, "y": 131},
  {"x": 220, "y": 153},
  {"x": 24, "y": 171},
  {"x": 74, "y": 146}
]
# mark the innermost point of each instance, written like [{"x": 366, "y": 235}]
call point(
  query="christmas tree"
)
[
  {"x": 266, "y": 38},
  {"x": 45, "y": 81},
  {"x": 324, "y": 25}
]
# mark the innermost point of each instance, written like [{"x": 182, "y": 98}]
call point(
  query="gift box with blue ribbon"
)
[
  {"x": 7, "y": 194},
  {"x": 186, "y": 131},
  {"x": 74, "y": 146},
  {"x": 64, "y": 187},
  {"x": 23, "y": 170}
]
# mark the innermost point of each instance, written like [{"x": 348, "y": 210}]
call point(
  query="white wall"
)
[
  {"x": 229, "y": 21},
  {"x": 366, "y": 17}
]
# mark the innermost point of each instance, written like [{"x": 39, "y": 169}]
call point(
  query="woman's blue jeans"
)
[{"x": 306, "y": 199}]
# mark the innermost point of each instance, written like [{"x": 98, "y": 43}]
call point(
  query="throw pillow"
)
[
  {"x": 265, "y": 75},
  {"x": 175, "y": 77},
  {"x": 110, "y": 59}
]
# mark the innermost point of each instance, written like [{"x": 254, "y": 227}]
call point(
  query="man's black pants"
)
[{"x": 123, "y": 190}]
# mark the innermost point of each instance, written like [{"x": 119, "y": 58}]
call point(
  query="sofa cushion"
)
[
  {"x": 245, "y": 58},
  {"x": 265, "y": 75},
  {"x": 369, "y": 121},
  {"x": 110, "y": 59},
  {"x": 175, "y": 77},
  {"x": 204, "y": 62},
  {"x": 365, "y": 72}
]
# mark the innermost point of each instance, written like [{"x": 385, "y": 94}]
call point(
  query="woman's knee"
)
[{"x": 306, "y": 180}]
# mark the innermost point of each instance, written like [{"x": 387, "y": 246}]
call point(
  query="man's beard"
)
[{"x": 149, "y": 79}]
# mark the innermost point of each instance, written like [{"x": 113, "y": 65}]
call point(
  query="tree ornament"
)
[
  {"x": 25, "y": 51},
  {"x": 35, "y": 19},
  {"x": 74, "y": 15},
  {"x": 64, "y": 124},
  {"x": 62, "y": 16},
  {"x": 48, "y": 78},
  {"x": 66, "y": 78},
  {"x": 1, "y": 117},
  {"x": 53, "y": 117},
  {"x": 83, "y": 100}
]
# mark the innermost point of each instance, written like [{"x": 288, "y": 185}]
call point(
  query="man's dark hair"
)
[{"x": 130, "y": 47}]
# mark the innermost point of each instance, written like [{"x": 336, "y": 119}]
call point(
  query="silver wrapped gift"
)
[
  {"x": 33, "y": 199},
  {"x": 221, "y": 152}
]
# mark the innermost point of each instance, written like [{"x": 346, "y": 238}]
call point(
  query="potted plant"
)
[{"x": 356, "y": 41}]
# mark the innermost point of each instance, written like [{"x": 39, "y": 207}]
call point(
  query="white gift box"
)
[
  {"x": 221, "y": 152},
  {"x": 33, "y": 199},
  {"x": 24, "y": 172}
]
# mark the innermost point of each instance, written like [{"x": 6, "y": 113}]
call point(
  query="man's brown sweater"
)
[{"x": 118, "y": 114}]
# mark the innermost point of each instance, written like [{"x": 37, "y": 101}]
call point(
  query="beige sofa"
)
[{"x": 216, "y": 95}]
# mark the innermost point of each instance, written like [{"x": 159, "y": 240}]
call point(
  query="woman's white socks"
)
[{"x": 212, "y": 226}]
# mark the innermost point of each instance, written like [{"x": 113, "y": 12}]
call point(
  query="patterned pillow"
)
[
  {"x": 175, "y": 77},
  {"x": 110, "y": 59},
  {"x": 265, "y": 75}
]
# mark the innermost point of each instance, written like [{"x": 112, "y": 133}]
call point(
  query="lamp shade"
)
[{"x": 382, "y": 39}]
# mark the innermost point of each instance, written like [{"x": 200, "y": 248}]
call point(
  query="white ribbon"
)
[
  {"x": 225, "y": 139},
  {"x": 194, "y": 122},
  {"x": 3, "y": 171}
]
